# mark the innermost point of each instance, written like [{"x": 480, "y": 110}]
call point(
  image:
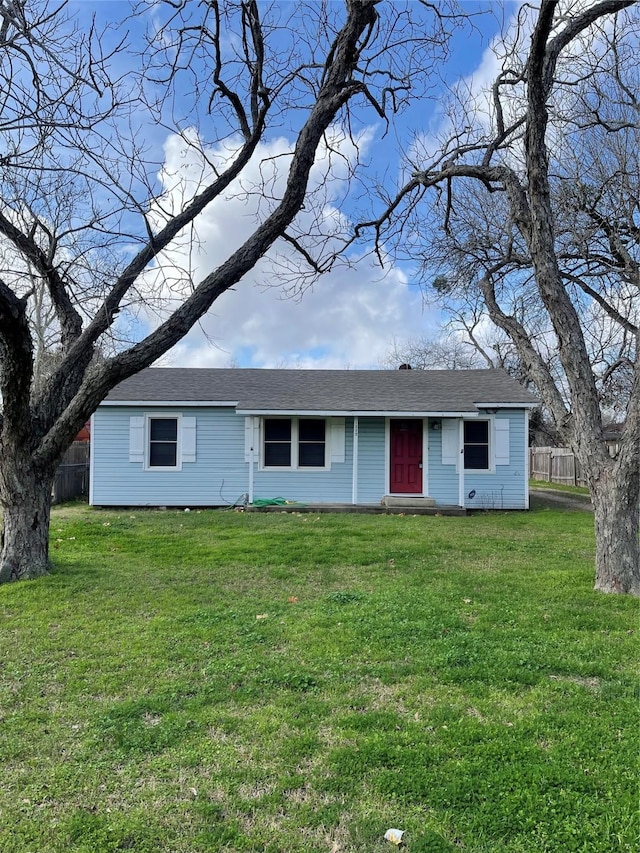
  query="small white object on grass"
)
[{"x": 394, "y": 836}]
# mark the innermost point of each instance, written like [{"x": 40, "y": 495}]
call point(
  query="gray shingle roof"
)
[{"x": 256, "y": 390}]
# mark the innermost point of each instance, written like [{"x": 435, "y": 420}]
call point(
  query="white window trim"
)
[
  {"x": 294, "y": 445},
  {"x": 174, "y": 416}
]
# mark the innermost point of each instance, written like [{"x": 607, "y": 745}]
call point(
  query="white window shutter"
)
[
  {"x": 256, "y": 438},
  {"x": 136, "y": 439},
  {"x": 450, "y": 441},
  {"x": 337, "y": 440},
  {"x": 501, "y": 426},
  {"x": 188, "y": 439},
  {"x": 250, "y": 438}
]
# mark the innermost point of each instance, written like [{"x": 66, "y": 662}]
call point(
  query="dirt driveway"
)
[{"x": 553, "y": 499}]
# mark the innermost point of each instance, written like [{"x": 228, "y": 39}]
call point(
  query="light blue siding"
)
[
  {"x": 504, "y": 488},
  {"x": 332, "y": 486},
  {"x": 371, "y": 460},
  {"x": 442, "y": 479},
  {"x": 220, "y": 475}
]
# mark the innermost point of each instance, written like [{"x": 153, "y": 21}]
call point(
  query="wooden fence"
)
[
  {"x": 555, "y": 465},
  {"x": 72, "y": 477}
]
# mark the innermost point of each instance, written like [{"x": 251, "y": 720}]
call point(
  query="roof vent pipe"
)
[{"x": 405, "y": 367}]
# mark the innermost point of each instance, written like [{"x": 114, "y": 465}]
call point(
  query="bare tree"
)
[
  {"x": 537, "y": 203},
  {"x": 467, "y": 339},
  {"x": 89, "y": 210},
  {"x": 440, "y": 352}
]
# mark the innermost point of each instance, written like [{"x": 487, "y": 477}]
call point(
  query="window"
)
[
  {"x": 277, "y": 443},
  {"x": 163, "y": 442},
  {"x": 476, "y": 445},
  {"x": 311, "y": 443},
  {"x": 295, "y": 443}
]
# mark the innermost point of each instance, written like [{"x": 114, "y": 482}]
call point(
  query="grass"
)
[{"x": 217, "y": 681}]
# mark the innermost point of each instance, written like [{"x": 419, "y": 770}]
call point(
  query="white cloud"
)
[
  {"x": 349, "y": 316},
  {"x": 348, "y": 319}
]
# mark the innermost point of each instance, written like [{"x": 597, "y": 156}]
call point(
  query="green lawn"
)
[{"x": 219, "y": 681}]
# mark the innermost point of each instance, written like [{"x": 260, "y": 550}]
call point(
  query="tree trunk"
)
[
  {"x": 25, "y": 532},
  {"x": 617, "y": 515}
]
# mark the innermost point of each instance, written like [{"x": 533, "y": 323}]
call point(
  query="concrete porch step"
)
[{"x": 417, "y": 502}]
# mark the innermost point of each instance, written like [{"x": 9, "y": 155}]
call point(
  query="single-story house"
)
[
  {"x": 211, "y": 437},
  {"x": 613, "y": 436}
]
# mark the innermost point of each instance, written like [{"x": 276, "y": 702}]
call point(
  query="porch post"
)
[
  {"x": 354, "y": 479},
  {"x": 252, "y": 455}
]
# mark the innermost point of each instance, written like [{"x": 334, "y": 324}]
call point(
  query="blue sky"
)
[{"x": 351, "y": 316}]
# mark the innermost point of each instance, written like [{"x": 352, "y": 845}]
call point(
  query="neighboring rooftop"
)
[{"x": 291, "y": 391}]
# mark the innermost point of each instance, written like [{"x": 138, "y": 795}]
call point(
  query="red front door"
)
[{"x": 406, "y": 457}]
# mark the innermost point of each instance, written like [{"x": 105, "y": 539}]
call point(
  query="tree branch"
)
[
  {"x": 335, "y": 91},
  {"x": 70, "y": 321}
]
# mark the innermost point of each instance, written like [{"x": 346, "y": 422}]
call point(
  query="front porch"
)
[{"x": 411, "y": 507}]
